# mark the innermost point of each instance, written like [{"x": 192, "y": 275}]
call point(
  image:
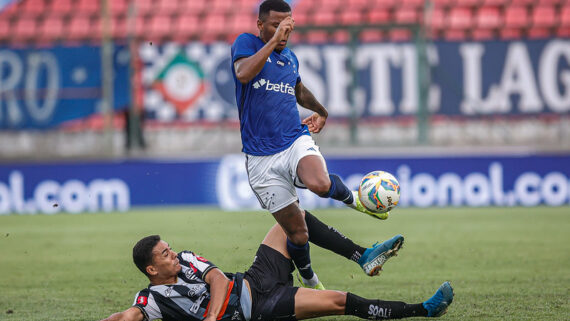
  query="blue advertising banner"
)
[
  {"x": 44, "y": 87},
  {"x": 425, "y": 182},
  {"x": 468, "y": 79}
]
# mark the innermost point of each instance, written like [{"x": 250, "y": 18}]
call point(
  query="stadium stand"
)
[{"x": 33, "y": 21}]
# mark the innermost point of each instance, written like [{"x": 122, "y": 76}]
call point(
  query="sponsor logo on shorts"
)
[{"x": 375, "y": 311}]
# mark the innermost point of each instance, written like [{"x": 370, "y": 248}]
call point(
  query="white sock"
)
[{"x": 312, "y": 282}]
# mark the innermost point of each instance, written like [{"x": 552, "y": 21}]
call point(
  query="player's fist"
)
[{"x": 284, "y": 29}]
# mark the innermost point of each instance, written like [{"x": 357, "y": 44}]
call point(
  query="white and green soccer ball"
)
[{"x": 379, "y": 191}]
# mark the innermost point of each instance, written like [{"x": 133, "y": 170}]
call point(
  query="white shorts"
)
[{"x": 273, "y": 178}]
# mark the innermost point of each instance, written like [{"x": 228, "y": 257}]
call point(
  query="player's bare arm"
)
[
  {"x": 247, "y": 68},
  {"x": 218, "y": 289},
  {"x": 130, "y": 314},
  {"x": 305, "y": 98}
]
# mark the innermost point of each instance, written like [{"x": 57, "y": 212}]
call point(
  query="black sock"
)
[
  {"x": 378, "y": 309},
  {"x": 329, "y": 238},
  {"x": 339, "y": 191},
  {"x": 302, "y": 258}
]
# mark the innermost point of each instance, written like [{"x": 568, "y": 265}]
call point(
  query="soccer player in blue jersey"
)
[
  {"x": 186, "y": 286},
  {"x": 280, "y": 153}
]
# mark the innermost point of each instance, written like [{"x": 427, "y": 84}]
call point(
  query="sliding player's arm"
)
[
  {"x": 130, "y": 314},
  {"x": 306, "y": 99},
  {"x": 218, "y": 283}
]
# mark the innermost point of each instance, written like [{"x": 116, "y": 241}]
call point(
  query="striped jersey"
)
[{"x": 189, "y": 298}]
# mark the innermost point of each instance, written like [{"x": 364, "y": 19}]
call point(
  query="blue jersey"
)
[{"x": 268, "y": 114}]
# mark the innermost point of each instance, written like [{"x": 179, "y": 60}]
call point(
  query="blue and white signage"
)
[
  {"x": 42, "y": 88},
  {"x": 425, "y": 182},
  {"x": 467, "y": 79}
]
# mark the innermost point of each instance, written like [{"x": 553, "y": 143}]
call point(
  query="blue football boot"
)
[
  {"x": 374, "y": 258},
  {"x": 437, "y": 305}
]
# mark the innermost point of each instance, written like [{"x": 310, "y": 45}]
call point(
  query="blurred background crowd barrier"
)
[{"x": 84, "y": 84}]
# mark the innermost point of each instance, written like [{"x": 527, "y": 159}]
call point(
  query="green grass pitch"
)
[{"x": 504, "y": 263}]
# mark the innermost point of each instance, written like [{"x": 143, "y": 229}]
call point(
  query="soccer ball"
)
[{"x": 379, "y": 191}]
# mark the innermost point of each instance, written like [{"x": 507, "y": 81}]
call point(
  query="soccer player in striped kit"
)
[{"x": 186, "y": 286}]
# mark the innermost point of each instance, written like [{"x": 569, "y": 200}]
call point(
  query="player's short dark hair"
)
[
  {"x": 272, "y": 5},
  {"x": 142, "y": 252}
]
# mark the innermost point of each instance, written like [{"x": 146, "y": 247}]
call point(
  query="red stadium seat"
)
[
  {"x": 435, "y": 21},
  {"x": 301, "y": 18},
  {"x": 378, "y": 15},
  {"x": 565, "y": 16},
  {"x": 118, "y": 7},
  {"x": 511, "y": 33},
  {"x": 412, "y": 3},
  {"x": 563, "y": 32},
  {"x": 88, "y": 7},
  {"x": 516, "y": 17},
  {"x": 443, "y": 3},
  {"x": 32, "y": 8},
  {"x": 455, "y": 35},
  {"x": 341, "y": 36},
  {"x": 407, "y": 15},
  {"x": 159, "y": 27},
  {"x": 317, "y": 37},
  {"x": 166, "y": 6},
  {"x": 544, "y": 17},
  {"x": 221, "y": 6},
  {"x": 5, "y": 29},
  {"x": 495, "y": 3},
  {"x": 357, "y": 5},
  {"x": 120, "y": 27},
  {"x": 351, "y": 17},
  {"x": 321, "y": 18},
  {"x": 186, "y": 27},
  {"x": 79, "y": 27},
  {"x": 242, "y": 21},
  {"x": 304, "y": 6},
  {"x": 25, "y": 28},
  {"x": 213, "y": 26},
  {"x": 52, "y": 27},
  {"x": 460, "y": 18},
  {"x": 60, "y": 6},
  {"x": 549, "y": 2},
  {"x": 192, "y": 7},
  {"x": 398, "y": 35},
  {"x": 468, "y": 3},
  {"x": 147, "y": 6},
  {"x": 386, "y": 4},
  {"x": 488, "y": 18},
  {"x": 482, "y": 34},
  {"x": 371, "y": 36},
  {"x": 522, "y": 2},
  {"x": 539, "y": 32}
]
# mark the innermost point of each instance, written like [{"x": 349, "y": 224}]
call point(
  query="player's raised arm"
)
[
  {"x": 130, "y": 314},
  {"x": 247, "y": 68},
  {"x": 218, "y": 283},
  {"x": 306, "y": 99}
]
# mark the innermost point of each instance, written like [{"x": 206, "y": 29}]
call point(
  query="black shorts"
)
[{"x": 271, "y": 283}]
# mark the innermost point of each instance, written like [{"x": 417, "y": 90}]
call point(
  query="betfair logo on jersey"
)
[{"x": 277, "y": 87}]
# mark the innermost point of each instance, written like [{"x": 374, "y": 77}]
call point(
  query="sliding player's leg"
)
[
  {"x": 370, "y": 259},
  {"x": 297, "y": 243},
  {"x": 310, "y": 304}
]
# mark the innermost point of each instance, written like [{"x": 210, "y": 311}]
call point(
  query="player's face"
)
[
  {"x": 165, "y": 260},
  {"x": 269, "y": 25}
]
